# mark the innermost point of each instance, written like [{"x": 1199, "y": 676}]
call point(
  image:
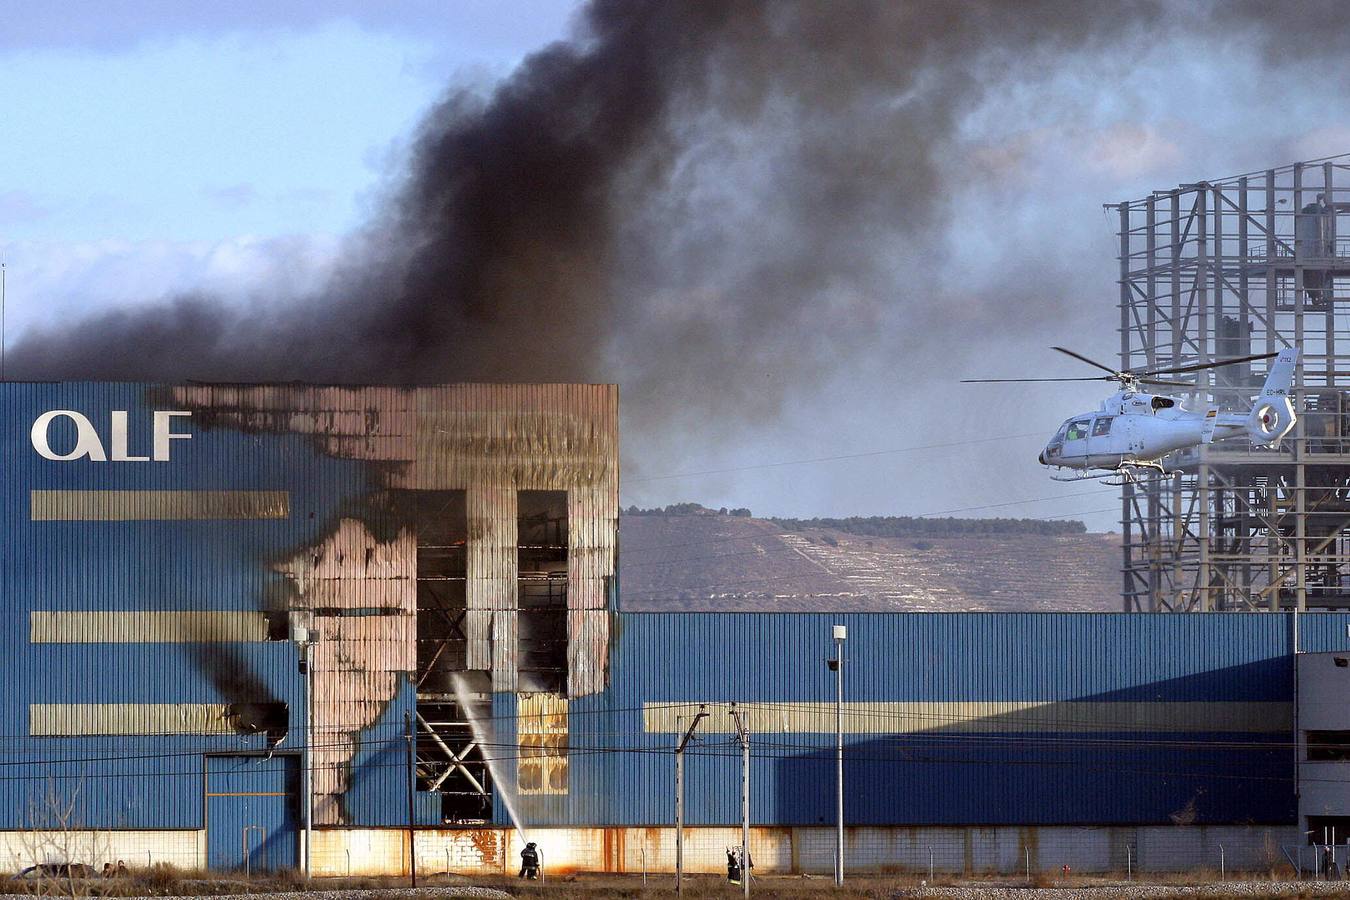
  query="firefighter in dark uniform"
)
[{"x": 529, "y": 861}]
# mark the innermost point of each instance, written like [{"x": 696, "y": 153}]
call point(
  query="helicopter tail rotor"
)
[
  {"x": 1270, "y": 420},
  {"x": 1273, "y": 415}
]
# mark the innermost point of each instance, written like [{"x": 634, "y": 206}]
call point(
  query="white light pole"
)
[
  {"x": 679, "y": 802},
  {"x": 743, "y": 735},
  {"x": 302, "y": 632},
  {"x": 837, "y": 666}
]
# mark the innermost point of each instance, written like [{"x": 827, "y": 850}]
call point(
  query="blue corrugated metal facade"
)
[
  {"x": 622, "y": 775},
  {"x": 619, "y": 772},
  {"x": 154, "y": 781}
]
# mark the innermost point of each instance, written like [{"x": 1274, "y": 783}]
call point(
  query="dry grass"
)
[{"x": 169, "y": 881}]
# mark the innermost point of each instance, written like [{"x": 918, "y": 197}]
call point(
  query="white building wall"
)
[
  {"x": 1323, "y": 705},
  {"x": 138, "y": 849},
  {"x": 788, "y": 850},
  {"x": 384, "y": 851}
]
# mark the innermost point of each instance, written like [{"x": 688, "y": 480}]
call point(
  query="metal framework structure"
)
[{"x": 1243, "y": 265}]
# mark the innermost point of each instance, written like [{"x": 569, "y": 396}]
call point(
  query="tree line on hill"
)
[
  {"x": 883, "y": 526},
  {"x": 910, "y": 526}
]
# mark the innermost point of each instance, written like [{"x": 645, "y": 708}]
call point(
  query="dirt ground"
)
[
  {"x": 611, "y": 887},
  {"x": 167, "y": 882},
  {"x": 605, "y": 887}
]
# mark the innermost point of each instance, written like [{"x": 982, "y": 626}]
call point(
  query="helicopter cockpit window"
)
[
  {"x": 1163, "y": 403},
  {"x": 1078, "y": 430},
  {"x": 1102, "y": 426}
]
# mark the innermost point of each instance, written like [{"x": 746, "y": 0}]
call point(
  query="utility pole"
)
[
  {"x": 412, "y": 787},
  {"x": 837, "y": 667},
  {"x": 743, "y": 735},
  {"x": 679, "y": 799}
]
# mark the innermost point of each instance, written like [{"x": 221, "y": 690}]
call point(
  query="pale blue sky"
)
[
  {"x": 148, "y": 148},
  {"x": 141, "y": 127}
]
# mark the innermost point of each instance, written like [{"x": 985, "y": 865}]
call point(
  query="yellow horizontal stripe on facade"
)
[
  {"x": 145, "y": 626},
  {"x": 130, "y": 506},
  {"x": 64, "y": 719},
  {"x": 979, "y": 716}
]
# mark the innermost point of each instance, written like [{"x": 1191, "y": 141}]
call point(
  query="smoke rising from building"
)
[{"x": 712, "y": 204}]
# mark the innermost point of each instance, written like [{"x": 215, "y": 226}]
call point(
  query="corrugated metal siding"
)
[
  {"x": 490, "y": 441},
  {"x": 490, "y": 593},
  {"x": 1184, "y": 675},
  {"x": 494, "y": 440},
  {"x": 974, "y": 717},
  {"x": 269, "y": 507},
  {"x": 135, "y": 569},
  {"x": 1323, "y": 632},
  {"x": 361, "y": 593}
]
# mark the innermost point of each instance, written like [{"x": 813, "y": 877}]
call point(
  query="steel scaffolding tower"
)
[{"x": 1244, "y": 265}]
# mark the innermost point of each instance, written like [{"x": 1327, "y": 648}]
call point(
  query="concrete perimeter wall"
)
[{"x": 339, "y": 852}]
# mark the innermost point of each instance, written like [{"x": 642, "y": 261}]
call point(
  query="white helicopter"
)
[{"x": 1134, "y": 430}]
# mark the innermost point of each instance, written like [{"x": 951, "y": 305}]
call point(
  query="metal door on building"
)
[{"x": 251, "y": 821}]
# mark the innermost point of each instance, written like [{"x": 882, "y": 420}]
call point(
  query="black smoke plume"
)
[{"x": 712, "y": 203}]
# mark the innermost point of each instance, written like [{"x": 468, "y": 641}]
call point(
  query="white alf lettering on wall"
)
[{"x": 90, "y": 445}]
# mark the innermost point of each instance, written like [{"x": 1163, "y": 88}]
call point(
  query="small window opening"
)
[
  {"x": 1328, "y": 746},
  {"x": 1102, "y": 427}
]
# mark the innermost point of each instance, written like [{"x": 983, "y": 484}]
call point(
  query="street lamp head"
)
[{"x": 840, "y": 632}]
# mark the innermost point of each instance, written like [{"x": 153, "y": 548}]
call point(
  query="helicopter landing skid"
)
[{"x": 1128, "y": 473}]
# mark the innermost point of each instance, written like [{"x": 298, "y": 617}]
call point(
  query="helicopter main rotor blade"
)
[
  {"x": 1022, "y": 380},
  {"x": 1184, "y": 384},
  {"x": 1199, "y": 367},
  {"x": 1081, "y": 358}
]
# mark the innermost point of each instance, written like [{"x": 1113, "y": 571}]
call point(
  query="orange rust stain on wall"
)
[
  {"x": 614, "y": 843},
  {"x": 488, "y": 843}
]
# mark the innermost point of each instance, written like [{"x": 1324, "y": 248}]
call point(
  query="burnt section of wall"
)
[
  {"x": 481, "y": 553},
  {"x": 449, "y": 761},
  {"x": 440, "y": 522},
  {"x": 541, "y": 591}
]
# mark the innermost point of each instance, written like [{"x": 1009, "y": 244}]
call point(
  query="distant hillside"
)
[
  {"x": 882, "y": 526},
  {"x": 709, "y": 560}
]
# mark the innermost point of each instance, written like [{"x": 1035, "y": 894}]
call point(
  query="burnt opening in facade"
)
[
  {"x": 541, "y": 590},
  {"x": 266, "y": 718},
  {"x": 440, "y": 520},
  {"x": 449, "y": 761}
]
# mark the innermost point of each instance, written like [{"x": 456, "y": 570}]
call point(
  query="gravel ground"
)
[
  {"x": 449, "y": 892},
  {"x": 1128, "y": 891}
]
